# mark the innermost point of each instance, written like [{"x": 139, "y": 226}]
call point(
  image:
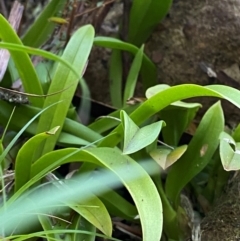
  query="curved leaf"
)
[
  {"x": 173, "y": 94},
  {"x": 148, "y": 69},
  {"x": 115, "y": 78},
  {"x": 144, "y": 17},
  {"x": 76, "y": 52},
  {"x": 132, "y": 175},
  {"x": 229, "y": 157},
  {"x": 178, "y": 116},
  {"x": 23, "y": 113},
  {"x": 26, "y": 125},
  {"x": 165, "y": 157},
  {"x": 23, "y": 63},
  {"x": 133, "y": 76},
  {"x": 24, "y": 158},
  {"x": 39, "y": 31},
  {"x": 135, "y": 138},
  {"x": 96, "y": 215},
  {"x": 39, "y": 52},
  {"x": 199, "y": 153}
]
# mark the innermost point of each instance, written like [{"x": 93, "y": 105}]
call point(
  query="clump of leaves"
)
[{"x": 120, "y": 150}]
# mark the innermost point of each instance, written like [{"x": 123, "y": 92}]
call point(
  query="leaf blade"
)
[
  {"x": 194, "y": 160},
  {"x": 23, "y": 63},
  {"x": 81, "y": 42}
]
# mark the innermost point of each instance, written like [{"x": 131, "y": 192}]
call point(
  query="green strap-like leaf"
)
[
  {"x": 148, "y": 69},
  {"x": 173, "y": 94},
  {"x": 76, "y": 53},
  {"x": 22, "y": 62},
  {"x": 96, "y": 215},
  {"x": 144, "y": 17},
  {"x": 133, "y": 76},
  {"x": 132, "y": 175},
  {"x": 40, "y": 30},
  {"x": 23, "y": 128},
  {"x": 178, "y": 116},
  {"x": 115, "y": 78},
  {"x": 39, "y": 52},
  {"x": 199, "y": 153},
  {"x": 24, "y": 158},
  {"x": 23, "y": 113}
]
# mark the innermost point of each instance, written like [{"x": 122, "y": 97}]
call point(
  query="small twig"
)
[
  {"x": 92, "y": 9},
  {"x": 21, "y": 97},
  {"x": 70, "y": 25},
  {"x": 165, "y": 144},
  {"x": 100, "y": 16}
]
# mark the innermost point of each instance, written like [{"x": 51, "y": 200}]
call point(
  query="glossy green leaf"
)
[
  {"x": 40, "y": 52},
  {"x": 133, "y": 176},
  {"x": 84, "y": 108},
  {"x": 165, "y": 157},
  {"x": 20, "y": 132},
  {"x": 229, "y": 152},
  {"x": 178, "y": 116},
  {"x": 115, "y": 78},
  {"x": 79, "y": 130},
  {"x": 79, "y": 133},
  {"x": 163, "y": 99},
  {"x": 140, "y": 187},
  {"x": 66, "y": 139},
  {"x": 136, "y": 138},
  {"x": 133, "y": 76},
  {"x": 96, "y": 215},
  {"x": 153, "y": 90},
  {"x": 40, "y": 30},
  {"x": 144, "y": 17},
  {"x": 105, "y": 124},
  {"x": 150, "y": 92},
  {"x": 24, "y": 158},
  {"x": 199, "y": 153},
  {"x": 169, "y": 214},
  {"x": 148, "y": 70},
  {"x": 22, "y": 62},
  {"x": 90, "y": 207},
  {"x": 76, "y": 52}
]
